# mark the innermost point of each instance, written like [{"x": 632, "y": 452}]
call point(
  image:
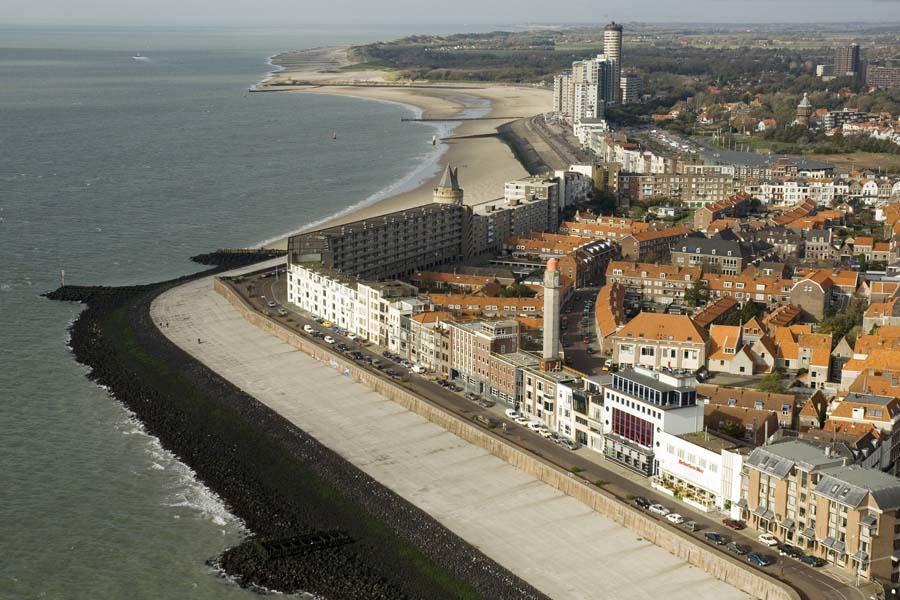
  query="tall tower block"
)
[
  {"x": 448, "y": 190},
  {"x": 551, "y": 356},
  {"x": 612, "y": 49}
]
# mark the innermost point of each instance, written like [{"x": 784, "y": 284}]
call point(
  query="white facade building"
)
[{"x": 702, "y": 469}]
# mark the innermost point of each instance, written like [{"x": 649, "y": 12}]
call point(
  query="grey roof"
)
[
  {"x": 850, "y": 485},
  {"x": 809, "y": 532},
  {"x": 869, "y": 398},
  {"x": 779, "y": 459},
  {"x": 449, "y": 178},
  {"x": 720, "y": 246}
]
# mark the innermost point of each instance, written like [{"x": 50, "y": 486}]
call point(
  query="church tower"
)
[{"x": 448, "y": 190}]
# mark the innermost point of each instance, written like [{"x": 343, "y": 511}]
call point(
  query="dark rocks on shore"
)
[
  {"x": 238, "y": 257},
  {"x": 276, "y": 478}
]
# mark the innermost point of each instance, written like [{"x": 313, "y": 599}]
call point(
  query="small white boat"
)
[
  {"x": 140, "y": 56},
  {"x": 434, "y": 140}
]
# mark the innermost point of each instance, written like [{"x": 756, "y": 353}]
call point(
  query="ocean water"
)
[{"x": 117, "y": 170}]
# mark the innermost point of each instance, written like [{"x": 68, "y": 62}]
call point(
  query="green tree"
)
[
  {"x": 772, "y": 382},
  {"x": 732, "y": 429},
  {"x": 517, "y": 290},
  {"x": 697, "y": 295},
  {"x": 749, "y": 310}
]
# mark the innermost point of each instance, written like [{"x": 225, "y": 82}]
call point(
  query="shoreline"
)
[
  {"x": 486, "y": 160},
  {"x": 275, "y": 478}
]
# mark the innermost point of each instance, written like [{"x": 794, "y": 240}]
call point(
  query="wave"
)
[{"x": 185, "y": 491}]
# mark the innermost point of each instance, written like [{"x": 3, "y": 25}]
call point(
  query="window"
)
[{"x": 648, "y": 351}]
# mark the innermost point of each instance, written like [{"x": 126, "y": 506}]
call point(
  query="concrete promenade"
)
[{"x": 549, "y": 539}]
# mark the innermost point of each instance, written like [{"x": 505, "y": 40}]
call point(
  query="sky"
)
[{"x": 475, "y": 12}]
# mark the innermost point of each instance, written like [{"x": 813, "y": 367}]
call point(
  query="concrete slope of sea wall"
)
[{"x": 563, "y": 536}]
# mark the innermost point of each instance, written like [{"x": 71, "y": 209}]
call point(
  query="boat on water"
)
[
  {"x": 434, "y": 140},
  {"x": 334, "y": 135},
  {"x": 139, "y": 56}
]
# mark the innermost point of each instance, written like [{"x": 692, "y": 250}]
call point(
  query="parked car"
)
[
  {"x": 675, "y": 518},
  {"x": 788, "y": 550},
  {"x": 659, "y": 509},
  {"x": 690, "y": 525},
  {"x": 642, "y": 502},
  {"x": 521, "y": 420},
  {"x": 352, "y": 336},
  {"x": 282, "y": 312},
  {"x": 308, "y": 328},
  {"x": 471, "y": 396},
  {"x": 356, "y": 355},
  {"x": 454, "y": 388},
  {"x": 733, "y": 524},
  {"x": 387, "y": 354},
  {"x": 393, "y": 374},
  {"x": 342, "y": 347},
  {"x": 406, "y": 364},
  {"x": 768, "y": 539},
  {"x": 570, "y": 444},
  {"x": 484, "y": 403},
  {"x": 741, "y": 549},
  {"x": 419, "y": 369},
  {"x": 328, "y": 339},
  {"x": 716, "y": 538},
  {"x": 512, "y": 413},
  {"x": 813, "y": 561},
  {"x": 328, "y": 324},
  {"x": 443, "y": 383},
  {"x": 545, "y": 433},
  {"x": 754, "y": 558}
]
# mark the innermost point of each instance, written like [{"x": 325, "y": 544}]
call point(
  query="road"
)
[{"x": 813, "y": 584}]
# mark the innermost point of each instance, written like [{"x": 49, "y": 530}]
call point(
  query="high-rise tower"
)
[
  {"x": 846, "y": 61},
  {"x": 612, "y": 49},
  {"x": 550, "y": 358},
  {"x": 448, "y": 190}
]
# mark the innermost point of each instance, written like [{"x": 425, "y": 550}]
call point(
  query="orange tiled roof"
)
[
  {"x": 657, "y": 326},
  {"x": 643, "y": 236},
  {"x": 609, "y": 309}
]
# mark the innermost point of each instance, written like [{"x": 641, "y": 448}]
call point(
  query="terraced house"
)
[{"x": 650, "y": 282}]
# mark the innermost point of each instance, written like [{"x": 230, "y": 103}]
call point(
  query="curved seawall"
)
[{"x": 276, "y": 478}]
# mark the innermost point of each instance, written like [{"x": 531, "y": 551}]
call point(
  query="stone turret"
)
[
  {"x": 551, "y": 356},
  {"x": 448, "y": 190},
  {"x": 804, "y": 111}
]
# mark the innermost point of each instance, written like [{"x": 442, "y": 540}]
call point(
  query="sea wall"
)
[{"x": 678, "y": 543}]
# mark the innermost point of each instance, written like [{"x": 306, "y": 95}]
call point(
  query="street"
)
[{"x": 812, "y": 583}]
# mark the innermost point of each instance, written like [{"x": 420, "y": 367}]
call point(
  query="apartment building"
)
[
  {"x": 713, "y": 255},
  {"x": 660, "y": 341},
  {"x": 472, "y": 344},
  {"x": 735, "y": 206},
  {"x": 784, "y": 406},
  {"x": 762, "y": 289},
  {"x": 650, "y": 282},
  {"x": 652, "y": 246},
  {"x": 638, "y": 405},
  {"x": 806, "y": 494},
  {"x": 692, "y": 191},
  {"x": 547, "y": 397}
]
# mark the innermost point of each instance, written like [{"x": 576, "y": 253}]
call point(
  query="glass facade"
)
[
  {"x": 672, "y": 397},
  {"x": 632, "y": 428}
]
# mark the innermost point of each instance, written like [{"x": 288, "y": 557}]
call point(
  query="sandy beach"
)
[{"x": 485, "y": 162}]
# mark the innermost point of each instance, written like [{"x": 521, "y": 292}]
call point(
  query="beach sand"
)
[{"x": 485, "y": 162}]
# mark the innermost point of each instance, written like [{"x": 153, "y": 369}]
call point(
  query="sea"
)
[{"x": 114, "y": 170}]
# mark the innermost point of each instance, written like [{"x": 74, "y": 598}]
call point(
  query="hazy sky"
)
[{"x": 173, "y": 12}]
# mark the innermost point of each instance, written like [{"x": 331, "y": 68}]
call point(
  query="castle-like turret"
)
[
  {"x": 448, "y": 190},
  {"x": 804, "y": 111},
  {"x": 551, "y": 355}
]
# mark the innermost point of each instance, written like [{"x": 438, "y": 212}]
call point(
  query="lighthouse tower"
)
[
  {"x": 804, "y": 111},
  {"x": 551, "y": 356}
]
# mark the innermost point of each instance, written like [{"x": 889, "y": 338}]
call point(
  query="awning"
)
[
  {"x": 788, "y": 524},
  {"x": 828, "y": 542},
  {"x": 840, "y": 547},
  {"x": 742, "y": 503},
  {"x": 809, "y": 532},
  {"x": 861, "y": 556},
  {"x": 869, "y": 520}
]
